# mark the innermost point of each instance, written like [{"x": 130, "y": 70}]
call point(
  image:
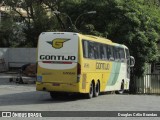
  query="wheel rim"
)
[
  {"x": 122, "y": 88},
  {"x": 97, "y": 88},
  {"x": 96, "y": 91},
  {"x": 91, "y": 90}
]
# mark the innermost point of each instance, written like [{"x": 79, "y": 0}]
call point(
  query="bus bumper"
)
[{"x": 59, "y": 87}]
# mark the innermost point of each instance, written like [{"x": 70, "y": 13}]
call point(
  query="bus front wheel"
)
[
  {"x": 90, "y": 94},
  {"x": 121, "y": 91}
]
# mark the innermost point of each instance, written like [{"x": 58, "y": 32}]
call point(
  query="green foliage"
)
[
  {"x": 41, "y": 22},
  {"x": 10, "y": 32},
  {"x": 130, "y": 22},
  {"x": 6, "y": 32},
  {"x": 135, "y": 23}
]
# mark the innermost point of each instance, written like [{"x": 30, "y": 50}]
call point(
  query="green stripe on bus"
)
[{"x": 114, "y": 73}]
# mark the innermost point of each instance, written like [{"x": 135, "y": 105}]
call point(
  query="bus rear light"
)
[
  {"x": 78, "y": 78},
  {"x": 78, "y": 69},
  {"x": 67, "y": 62},
  {"x": 57, "y": 62},
  {"x": 78, "y": 72}
]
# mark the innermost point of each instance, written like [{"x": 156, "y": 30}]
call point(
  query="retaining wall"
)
[{"x": 16, "y": 57}]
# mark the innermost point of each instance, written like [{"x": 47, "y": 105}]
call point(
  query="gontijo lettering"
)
[
  {"x": 102, "y": 66},
  {"x": 57, "y": 57}
]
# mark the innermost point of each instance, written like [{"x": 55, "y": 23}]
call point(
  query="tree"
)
[
  {"x": 37, "y": 17},
  {"x": 129, "y": 22},
  {"x": 6, "y": 32},
  {"x": 135, "y": 23},
  {"x": 138, "y": 28}
]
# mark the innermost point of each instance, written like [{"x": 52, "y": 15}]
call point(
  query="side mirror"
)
[{"x": 132, "y": 61}]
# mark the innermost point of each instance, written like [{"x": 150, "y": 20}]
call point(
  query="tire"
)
[
  {"x": 10, "y": 79},
  {"x": 21, "y": 81},
  {"x": 96, "y": 89},
  {"x": 54, "y": 95},
  {"x": 121, "y": 91},
  {"x": 91, "y": 91}
]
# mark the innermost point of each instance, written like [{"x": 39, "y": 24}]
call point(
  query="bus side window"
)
[
  {"x": 85, "y": 48},
  {"x": 105, "y": 48},
  {"x": 102, "y": 52},
  {"x": 127, "y": 53},
  {"x": 127, "y": 56},
  {"x": 116, "y": 54},
  {"x": 96, "y": 51},
  {"x": 122, "y": 55},
  {"x": 106, "y": 52},
  {"x": 110, "y": 53},
  {"x": 91, "y": 52}
]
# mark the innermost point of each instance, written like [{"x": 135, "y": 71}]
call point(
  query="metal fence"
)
[{"x": 148, "y": 84}]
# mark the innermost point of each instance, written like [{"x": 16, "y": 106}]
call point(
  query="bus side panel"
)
[
  {"x": 95, "y": 70},
  {"x": 117, "y": 75}
]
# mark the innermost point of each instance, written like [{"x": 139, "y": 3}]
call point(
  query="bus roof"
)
[
  {"x": 91, "y": 37},
  {"x": 95, "y": 38}
]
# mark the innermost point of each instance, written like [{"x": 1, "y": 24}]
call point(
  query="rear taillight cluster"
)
[
  {"x": 78, "y": 69},
  {"x": 78, "y": 72}
]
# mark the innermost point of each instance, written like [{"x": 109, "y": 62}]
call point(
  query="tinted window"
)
[
  {"x": 110, "y": 55},
  {"x": 102, "y": 52},
  {"x": 122, "y": 54},
  {"x": 97, "y": 50},
  {"x": 94, "y": 50},
  {"x": 85, "y": 48},
  {"x": 127, "y": 53},
  {"x": 116, "y": 53},
  {"x": 91, "y": 50}
]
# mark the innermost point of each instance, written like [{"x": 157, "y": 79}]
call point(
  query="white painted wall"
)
[{"x": 16, "y": 57}]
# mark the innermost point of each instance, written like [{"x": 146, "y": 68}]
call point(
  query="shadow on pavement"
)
[{"x": 26, "y": 98}]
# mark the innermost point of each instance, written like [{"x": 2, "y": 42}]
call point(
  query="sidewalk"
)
[
  {"x": 8, "y": 75},
  {"x": 15, "y": 75}
]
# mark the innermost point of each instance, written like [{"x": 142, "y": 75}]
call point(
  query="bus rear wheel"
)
[
  {"x": 54, "y": 95},
  {"x": 96, "y": 89},
  {"x": 90, "y": 94}
]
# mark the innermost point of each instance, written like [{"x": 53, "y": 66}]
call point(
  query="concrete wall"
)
[{"x": 16, "y": 57}]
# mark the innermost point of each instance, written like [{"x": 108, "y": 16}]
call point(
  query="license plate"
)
[{"x": 56, "y": 84}]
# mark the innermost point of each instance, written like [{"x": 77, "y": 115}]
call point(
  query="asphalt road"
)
[{"x": 24, "y": 97}]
